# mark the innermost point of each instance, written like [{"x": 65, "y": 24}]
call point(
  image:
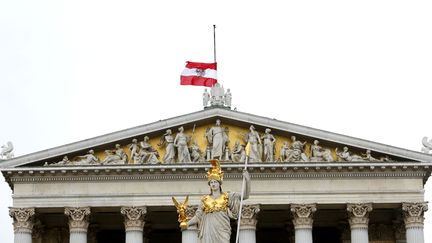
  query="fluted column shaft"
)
[
  {"x": 359, "y": 220},
  {"x": 414, "y": 221},
  {"x": 190, "y": 235},
  {"x": 134, "y": 223},
  {"x": 248, "y": 223},
  {"x": 78, "y": 223},
  {"x": 23, "y": 224},
  {"x": 303, "y": 221}
]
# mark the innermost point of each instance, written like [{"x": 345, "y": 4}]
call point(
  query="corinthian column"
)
[
  {"x": 23, "y": 224},
  {"x": 78, "y": 223},
  {"x": 190, "y": 235},
  {"x": 134, "y": 223},
  {"x": 248, "y": 223},
  {"x": 359, "y": 220},
  {"x": 413, "y": 218},
  {"x": 303, "y": 221}
]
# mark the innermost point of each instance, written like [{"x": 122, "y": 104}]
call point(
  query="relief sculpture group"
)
[{"x": 255, "y": 146}]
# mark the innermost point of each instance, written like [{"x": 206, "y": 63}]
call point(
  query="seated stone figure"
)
[
  {"x": 147, "y": 154},
  {"x": 116, "y": 156},
  {"x": 296, "y": 151},
  {"x": 195, "y": 152},
  {"x": 319, "y": 154},
  {"x": 238, "y": 154}
]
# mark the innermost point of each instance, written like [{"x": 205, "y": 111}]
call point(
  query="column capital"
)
[
  {"x": 359, "y": 214},
  {"x": 22, "y": 219},
  {"x": 414, "y": 214},
  {"x": 249, "y": 214},
  {"x": 78, "y": 219},
  {"x": 134, "y": 218},
  {"x": 303, "y": 215}
]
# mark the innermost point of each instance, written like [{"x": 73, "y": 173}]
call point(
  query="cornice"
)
[{"x": 232, "y": 171}]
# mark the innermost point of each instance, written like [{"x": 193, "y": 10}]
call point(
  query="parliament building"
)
[{"x": 307, "y": 185}]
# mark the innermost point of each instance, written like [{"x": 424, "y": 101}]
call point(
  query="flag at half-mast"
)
[{"x": 199, "y": 74}]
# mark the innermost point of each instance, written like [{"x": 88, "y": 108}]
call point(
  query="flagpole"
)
[
  {"x": 241, "y": 201},
  {"x": 214, "y": 42}
]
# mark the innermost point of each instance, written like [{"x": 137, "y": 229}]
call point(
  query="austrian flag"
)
[{"x": 199, "y": 74}]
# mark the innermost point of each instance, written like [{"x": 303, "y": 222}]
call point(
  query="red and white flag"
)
[{"x": 200, "y": 74}]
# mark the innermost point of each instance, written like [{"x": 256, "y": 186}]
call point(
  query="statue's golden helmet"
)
[{"x": 215, "y": 173}]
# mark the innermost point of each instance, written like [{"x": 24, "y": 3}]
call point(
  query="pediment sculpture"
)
[{"x": 183, "y": 147}]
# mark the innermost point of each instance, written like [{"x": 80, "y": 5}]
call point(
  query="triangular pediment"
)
[{"x": 236, "y": 127}]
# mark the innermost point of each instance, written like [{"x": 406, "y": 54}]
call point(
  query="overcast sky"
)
[{"x": 72, "y": 70}]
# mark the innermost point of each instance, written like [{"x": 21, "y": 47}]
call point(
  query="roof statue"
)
[
  {"x": 217, "y": 97},
  {"x": 427, "y": 145},
  {"x": 6, "y": 151}
]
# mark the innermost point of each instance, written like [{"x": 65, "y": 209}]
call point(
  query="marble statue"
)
[
  {"x": 228, "y": 98},
  {"x": 116, "y": 156},
  {"x": 296, "y": 151},
  {"x": 87, "y": 159},
  {"x": 216, "y": 210},
  {"x": 195, "y": 151},
  {"x": 269, "y": 141},
  {"x": 134, "y": 151},
  {"x": 64, "y": 161},
  {"x": 206, "y": 98},
  {"x": 181, "y": 142},
  {"x": 147, "y": 154},
  {"x": 217, "y": 95},
  {"x": 319, "y": 154},
  {"x": 346, "y": 155},
  {"x": 6, "y": 151},
  {"x": 427, "y": 145},
  {"x": 218, "y": 138},
  {"x": 253, "y": 145},
  {"x": 238, "y": 154},
  {"x": 168, "y": 140},
  {"x": 284, "y": 151},
  {"x": 368, "y": 156}
]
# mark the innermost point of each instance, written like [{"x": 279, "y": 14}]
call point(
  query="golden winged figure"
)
[{"x": 181, "y": 210}]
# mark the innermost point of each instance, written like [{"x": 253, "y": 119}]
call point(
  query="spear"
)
[{"x": 248, "y": 148}]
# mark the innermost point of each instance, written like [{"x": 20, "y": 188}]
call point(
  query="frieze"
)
[{"x": 226, "y": 143}]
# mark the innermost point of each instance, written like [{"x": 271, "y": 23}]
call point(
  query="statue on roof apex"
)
[
  {"x": 217, "y": 97},
  {"x": 427, "y": 145},
  {"x": 206, "y": 98},
  {"x": 6, "y": 151}
]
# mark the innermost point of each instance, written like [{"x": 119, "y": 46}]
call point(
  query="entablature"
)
[{"x": 180, "y": 172}]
